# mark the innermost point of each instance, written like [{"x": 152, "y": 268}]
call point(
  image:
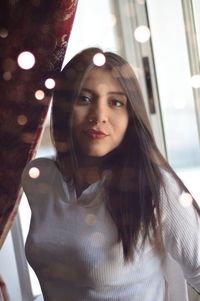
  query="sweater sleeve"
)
[
  {"x": 37, "y": 178},
  {"x": 181, "y": 230}
]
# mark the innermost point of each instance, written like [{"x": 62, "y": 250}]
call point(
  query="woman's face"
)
[{"x": 100, "y": 114}]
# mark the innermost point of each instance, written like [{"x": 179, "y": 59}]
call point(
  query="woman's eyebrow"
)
[
  {"x": 118, "y": 92},
  {"x": 109, "y": 93}
]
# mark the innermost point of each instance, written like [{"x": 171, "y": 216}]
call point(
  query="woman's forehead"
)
[{"x": 103, "y": 77}]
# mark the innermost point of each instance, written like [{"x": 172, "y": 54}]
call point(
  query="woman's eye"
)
[
  {"x": 84, "y": 99},
  {"x": 117, "y": 103}
]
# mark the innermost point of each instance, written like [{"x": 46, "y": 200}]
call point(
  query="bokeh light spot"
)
[
  {"x": 22, "y": 119},
  {"x": 125, "y": 70},
  {"x": 34, "y": 172},
  {"x": 27, "y": 137},
  {"x": 113, "y": 20},
  {"x": 137, "y": 71},
  {"x": 185, "y": 199},
  {"x": 9, "y": 65},
  {"x": 7, "y": 75},
  {"x": 39, "y": 94},
  {"x": 99, "y": 59},
  {"x": 26, "y": 60},
  {"x": 142, "y": 34},
  {"x": 50, "y": 83},
  {"x": 195, "y": 81},
  {"x": 115, "y": 72},
  {"x": 107, "y": 173},
  {"x": 92, "y": 175},
  {"x": 3, "y": 33},
  {"x": 90, "y": 219}
]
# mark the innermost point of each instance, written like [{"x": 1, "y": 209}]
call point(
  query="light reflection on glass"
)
[
  {"x": 50, "y": 83},
  {"x": 9, "y": 65},
  {"x": 7, "y": 75},
  {"x": 26, "y": 60},
  {"x": 137, "y": 71},
  {"x": 34, "y": 172},
  {"x": 142, "y": 34},
  {"x": 99, "y": 59},
  {"x": 27, "y": 137},
  {"x": 22, "y": 119},
  {"x": 113, "y": 20},
  {"x": 90, "y": 219},
  {"x": 3, "y": 33},
  {"x": 185, "y": 199},
  {"x": 39, "y": 94}
]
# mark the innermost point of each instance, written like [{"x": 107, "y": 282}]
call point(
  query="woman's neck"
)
[{"x": 89, "y": 171}]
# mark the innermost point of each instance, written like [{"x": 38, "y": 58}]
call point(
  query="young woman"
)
[{"x": 106, "y": 211}]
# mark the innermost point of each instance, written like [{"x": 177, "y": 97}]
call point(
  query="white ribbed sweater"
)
[{"x": 72, "y": 244}]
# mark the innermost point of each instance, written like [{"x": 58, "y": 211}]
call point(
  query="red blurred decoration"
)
[{"x": 42, "y": 27}]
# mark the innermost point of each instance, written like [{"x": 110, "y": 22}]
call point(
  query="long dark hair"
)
[{"x": 137, "y": 164}]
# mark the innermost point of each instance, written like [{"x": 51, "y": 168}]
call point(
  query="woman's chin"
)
[
  {"x": 96, "y": 154},
  {"x": 94, "y": 151}
]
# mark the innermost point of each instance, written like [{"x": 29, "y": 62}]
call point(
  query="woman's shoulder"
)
[
  {"x": 170, "y": 181},
  {"x": 41, "y": 165},
  {"x": 40, "y": 162},
  {"x": 176, "y": 201},
  {"x": 37, "y": 170}
]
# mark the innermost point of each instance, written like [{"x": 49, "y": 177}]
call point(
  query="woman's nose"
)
[{"x": 99, "y": 113}]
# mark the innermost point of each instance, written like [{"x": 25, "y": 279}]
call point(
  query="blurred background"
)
[{"x": 161, "y": 40}]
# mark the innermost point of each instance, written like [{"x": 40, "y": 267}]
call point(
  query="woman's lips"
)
[{"x": 96, "y": 134}]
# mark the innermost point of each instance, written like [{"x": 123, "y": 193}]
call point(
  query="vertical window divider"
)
[{"x": 194, "y": 57}]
